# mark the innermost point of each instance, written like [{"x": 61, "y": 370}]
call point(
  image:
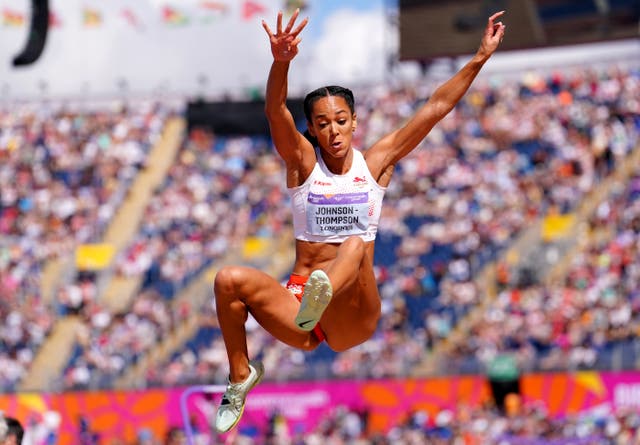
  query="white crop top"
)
[{"x": 329, "y": 208}]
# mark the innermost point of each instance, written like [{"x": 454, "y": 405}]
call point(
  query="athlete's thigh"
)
[
  {"x": 353, "y": 315},
  {"x": 274, "y": 307},
  {"x": 363, "y": 293}
]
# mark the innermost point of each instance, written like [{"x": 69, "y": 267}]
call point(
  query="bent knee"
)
[
  {"x": 226, "y": 281},
  {"x": 341, "y": 344},
  {"x": 369, "y": 329}
]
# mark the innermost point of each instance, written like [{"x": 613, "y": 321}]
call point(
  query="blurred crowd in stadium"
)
[
  {"x": 63, "y": 174},
  {"x": 521, "y": 425},
  {"x": 513, "y": 151}
]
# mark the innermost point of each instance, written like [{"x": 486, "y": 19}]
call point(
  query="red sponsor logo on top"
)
[
  {"x": 295, "y": 289},
  {"x": 316, "y": 182},
  {"x": 359, "y": 180}
]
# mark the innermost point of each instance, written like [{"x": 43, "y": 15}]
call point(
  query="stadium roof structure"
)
[{"x": 442, "y": 28}]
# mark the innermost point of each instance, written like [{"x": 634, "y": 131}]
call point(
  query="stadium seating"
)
[{"x": 64, "y": 172}]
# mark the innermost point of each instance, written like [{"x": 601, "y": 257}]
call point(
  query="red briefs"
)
[{"x": 296, "y": 286}]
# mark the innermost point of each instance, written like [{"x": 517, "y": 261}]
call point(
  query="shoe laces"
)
[{"x": 234, "y": 395}]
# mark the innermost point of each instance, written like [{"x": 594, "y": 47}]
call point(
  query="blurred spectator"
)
[
  {"x": 15, "y": 432},
  {"x": 175, "y": 436}
]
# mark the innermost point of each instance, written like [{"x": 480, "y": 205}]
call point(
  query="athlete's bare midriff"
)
[{"x": 312, "y": 255}]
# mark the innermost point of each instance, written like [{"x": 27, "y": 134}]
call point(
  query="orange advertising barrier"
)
[{"x": 118, "y": 415}]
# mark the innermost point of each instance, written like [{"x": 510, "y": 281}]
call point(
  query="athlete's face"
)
[{"x": 332, "y": 124}]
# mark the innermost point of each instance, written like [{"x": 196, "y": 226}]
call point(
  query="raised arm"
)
[
  {"x": 393, "y": 147},
  {"x": 284, "y": 47}
]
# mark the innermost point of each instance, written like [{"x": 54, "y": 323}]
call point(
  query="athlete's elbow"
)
[
  {"x": 274, "y": 110},
  {"x": 269, "y": 112},
  {"x": 442, "y": 102},
  {"x": 443, "y": 107}
]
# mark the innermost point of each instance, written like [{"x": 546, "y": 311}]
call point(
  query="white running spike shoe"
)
[
  {"x": 315, "y": 299},
  {"x": 232, "y": 404}
]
